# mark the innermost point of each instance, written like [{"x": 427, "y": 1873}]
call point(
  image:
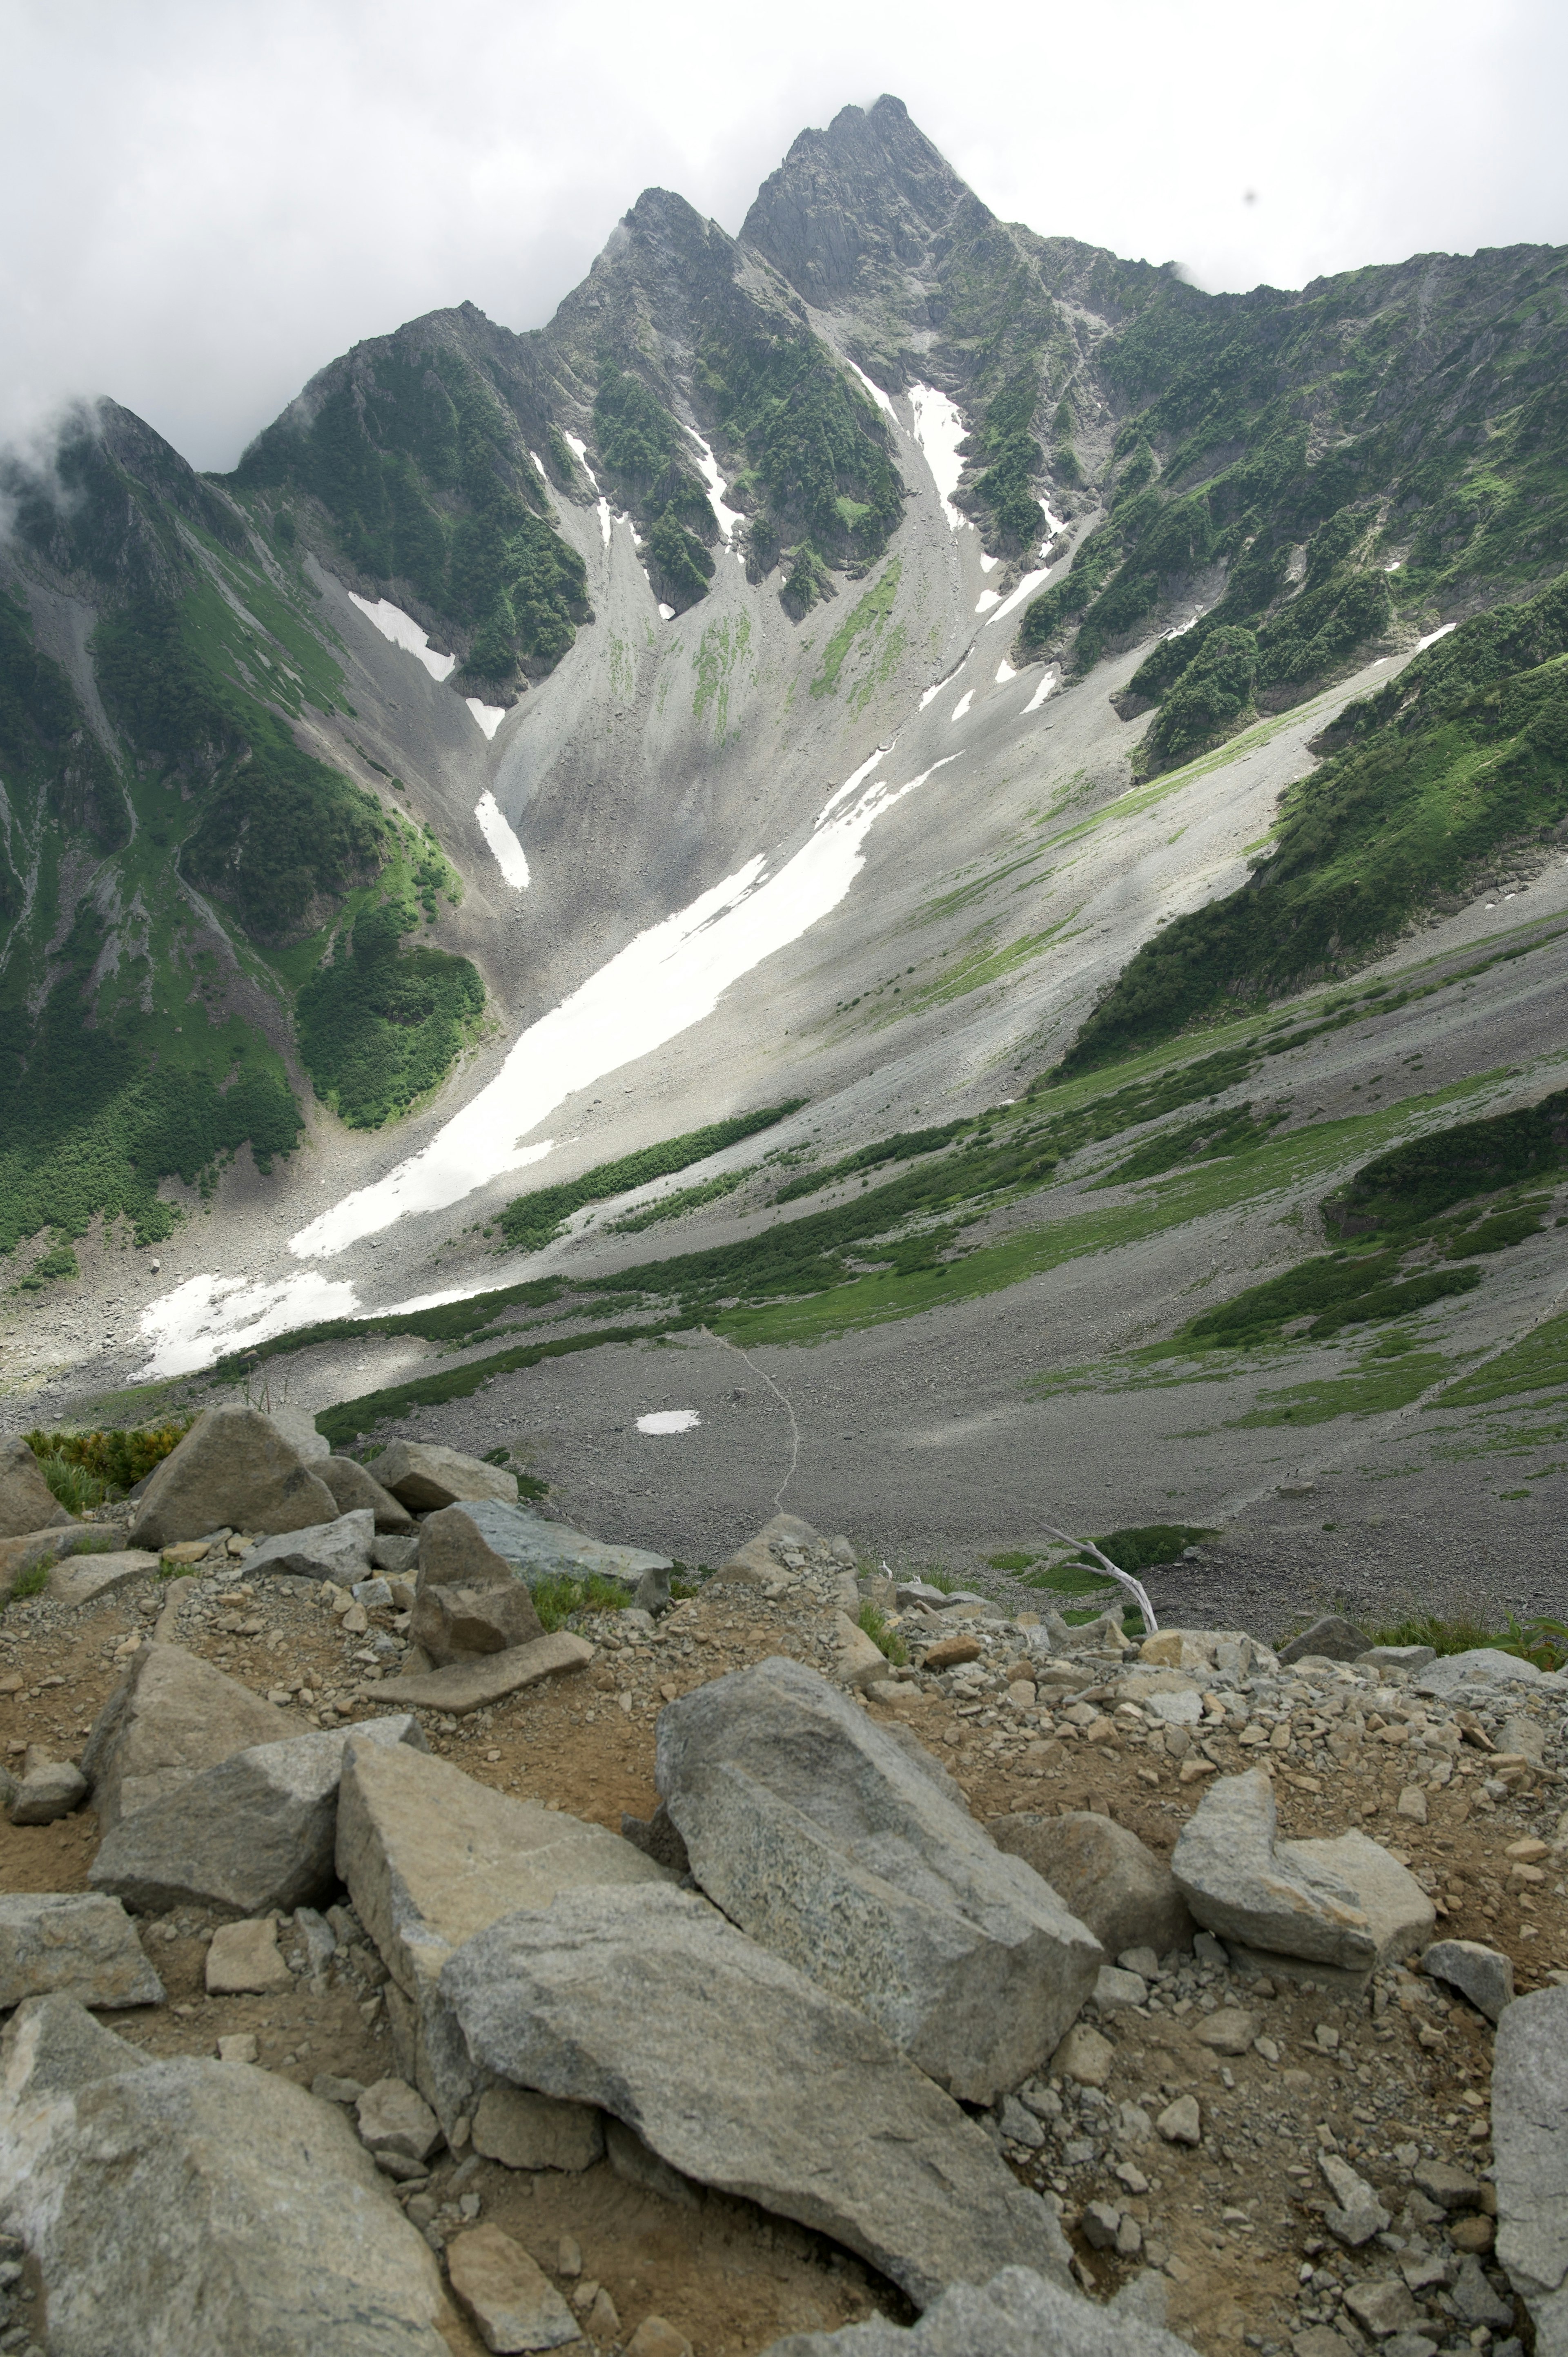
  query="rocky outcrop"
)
[
  {"x": 424, "y": 1477},
  {"x": 1018, "y": 2313},
  {"x": 234, "y": 1467}
]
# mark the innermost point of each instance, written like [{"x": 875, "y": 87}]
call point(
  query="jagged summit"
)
[{"x": 868, "y": 197}]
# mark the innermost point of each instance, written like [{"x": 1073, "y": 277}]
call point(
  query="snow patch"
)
[
  {"x": 489, "y": 715},
  {"x": 510, "y": 856},
  {"x": 986, "y": 599},
  {"x": 580, "y": 452},
  {"x": 1040, "y": 694},
  {"x": 207, "y": 1314},
  {"x": 962, "y": 706},
  {"x": 857, "y": 779},
  {"x": 1027, "y": 588},
  {"x": 404, "y": 631},
  {"x": 948, "y": 677},
  {"x": 1004, "y": 671},
  {"x": 668, "y": 978},
  {"x": 939, "y": 429},
  {"x": 666, "y": 613},
  {"x": 878, "y": 396},
  {"x": 988, "y": 564},
  {"x": 670, "y": 1419},
  {"x": 539, "y": 463},
  {"x": 1433, "y": 636},
  {"x": 604, "y": 522},
  {"x": 729, "y": 520}
]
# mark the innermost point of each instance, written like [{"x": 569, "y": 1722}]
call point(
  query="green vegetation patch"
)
[
  {"x": 874, "y": 1624},
  {"x": 382, "y": 1024},
  {"x": 868, "y": 617},
  {"x": 904, "y": 1145},
  {"x": 85, "y": 1469},
  {"x": 1541, "y": 1640},
  {"x": 531, "y": 1221},
  {"x": 556, "y": 1599},
  {"x": 684, "y": 1199},
  {"x": 345, "y": 1421}
]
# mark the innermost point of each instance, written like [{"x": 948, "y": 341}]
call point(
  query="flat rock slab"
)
[
  {"x": 172, "y": 1715},
  {"x": 425, "y": 1476},
  {"x": 77, "y": 1943},
  {"x": 816, "y": 1832},
  {"x": 337, "y": 1550},
  {"x": 1487, "y": 1671},
  {"x": 473, "y": 1685},
  {"x": 186, "y": 2205},
  {"x": 1343, "y": 1904},
  {"x": 539, "y": 1549},
  {"x": 513, "y": 2303},
  {"x": 1529, "y": 2142},
  {"x": 1104, "y": 1875},
  {"x": 741, "y": 2072},
  {"x": 78, "y": 1578},
  {"x": 234, "y": 1467},
  {"x": 1017, "y": 2314}
]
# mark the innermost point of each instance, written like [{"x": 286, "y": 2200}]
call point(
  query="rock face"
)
[
  {"x": 338, "y": 1550},
  {"x": 430, "y": 1856},
  {"x": 453, "y": 1624},
  {"x": 816, "y": 1834},
  {"x": 535, "y": 1549},
  {"x": 256, "y": 1832},
  {"x": 75, "y": 1943},
  {"x": 233, "y": 1466},
  {"x": 485, "y": 1678},
  {"x": 188, "y": 2205},
  {"x": 454, "y": 1552},
  {"x": 171, "y": 1716},
  {"x": 1017, "y": 2314},
  {"x": 27, "y": 1501},
  {"x": 1483, "y": 1975},
  {"x": 356, "y": 1487},
  {"x": 77, "y": 1579},
  {"x": 297, "y": 1426},
  {"x": 789, "y": 2096},
  {"x": 1529, "y": 2140},
  {"x": 1105, "y": 1876},
  {"x": 423, "y": 1476},
  {"x": 1344, "y": 1903}
]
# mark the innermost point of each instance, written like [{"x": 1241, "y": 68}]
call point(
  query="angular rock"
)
[
  {"x": 859, "y": 1659},
  {"x": 1488, "y": 1670},
  {"x": 1228, "y": 2031},
  {"x": 49, "y": 1789},
  {"x": 393, "y": 2118},
  {"x": 1333, "y": 1638},
  {"x": 240, "y": 2046},
  {"x": 81, "y": 1579},
  {"x": 234, "y": 1467},
  {"x": 453, "y": 1624},
  {"x": 1529, "y": 2142},
  {"x": 430, "y": 1856},
  {"x": 1450, "y": 2187},
  {"x": 1360, "y": 2214},
  {"x": 1181, "y": 2122},
  {"x": 527, "y": 2131},
  {"x": 535, "y": 1548},
  {"x": 189, "y": 2205},
  {"x": 297, "y": 1426},
  {"x": 27, "y": 1501},
  {"x": 1344, "y": 1903},
  {"x": 1397, "y": 1657},
  {"x": 338, "y": 1550},
  {"x": 1483, "y": 1975},
  {"x": 1084, "y": 2057},
  {"x": 356, "y": 1488},
  {"x": 1477, "y": 2303},
  {"x": 1113, "y": 1988},
  {"x": 425, "y": 1476},
  {"x": 76, "y": 1942},
  {"x": 816, "y": 1835},
  {"x": 788, "y": 2097},
  {"x": 1172, "y": 1697},
  {"x": 243, "y": 1961},
  {"x": 511, "y": 2298},
  {"x": 1383, "y": 2307},
  {"x": 1017, "y": 2314},
  {"x": 257, "y": 1832},
  {"x": 485, "y": 1678},
  {"x": 398, "y": 1557},
  {"x": 170, "y": 1716},
  {"x": 1104, "y": 1875},
  {"x": 638, "y": 2164},
  {"x": 454, "y": 1553},
  {"x": 656, "y": 1837},
  {"x": 656, "y": 2337},
  {"x": 951, "y": 1652},
  {"x": 755, "y": 1565}
]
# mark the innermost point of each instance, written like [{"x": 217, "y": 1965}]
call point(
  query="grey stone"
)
[
  {"x": 396, "y": 1557},
  {"x": 817, "y": 1836},
  {"x": 1345, "y": 1903},
  {"x": 788, "y": 2097},
  {"x": 1529, "y": 2141},
  {"x": 1487, "y": 1671},
  {"x": 425, "y": 1476},
  {"x": 355, "y": 1487},
  {"x": 297, "y": 1426},
  {"x": 49, "y": 1789},
  {"x": 1360, "y": 2214},
  {"x": 1450, "y": 2187},
  {"x": 27, "y": 1501},
  {"x": 430, "y": 1856},
  {"x": 1113, "y": 1987},
  {"x": 51, "y": 2047},
  {"x": 258, "y": 1830},
  {"x": 758, "y": 1564},
  {"x": 1332, "y": 1638},
  {"x": 337, "y": 1550},
  {"x": 1524, "y": 1737},
  {"x": 83, "y": 1578},
  {"x": 1382, "y": 2307},
  {"x": 514, "y": 2305},
  {"x": 485, "y": 1678},
  {"x": 1397, "y": 1657},
  {"x": 654, "y": 1591},
  {"x": 1181, "y": 2122},
  {"x": 638, "y": 2164},
  {"x": 172, "y": 1715},
  {"x": 454, "y": 1552},
  {"x": 243, "y": 1959},
  {"x": 1483, "y": 1975},
  {"x": 234, "y": 1467},
  {"x": 1104, "y": 1875},
  {"x": 186, "y": 2205},
  {"x": 522, "y": 2130},
  {"x": 535, "y": 1548},
  {"x": 76, "y": 1942},
  {"x": 1228, "y": 2031},
  {"x": 1476, "y": 2301},
  {"x": 657, "y": 1837},
  {"x": 1017, "y": 2314},
  {"x": 373, "y": 1594},
  {"x": 453, "y": 1624},
  {"x": 393, "y": 2118}
]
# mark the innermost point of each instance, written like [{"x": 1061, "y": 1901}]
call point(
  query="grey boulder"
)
[
  {"x": 534, "y": 1548},
  {"x": 453, "y": 1624},
  {"x": 297, "y": 1426},
  {"x": 1483, "y": 1975},
  {"x": 1345, "y": 1903},
  {"x": 1530, "y": 2144},
  {"x": 74, "y": 1943},
  {"x": 27, "y": 1501},
  {"x": 234, "y": 1467},
  {"x": 1105, "y": 1876},
  {"x": 425, "y": 1476},
  {"x": 818, "y": 1835},
  {"x": 48, "y": 1789},
  {"x": 355, "y": 1486},
  {"x": 184, "y": 2206},
  {"x": 171, "y": 1715},
  {"x": 337, "y": 1550},
  {"x": 1017, "y": 2314},
  {"x": 741, "y": 2072},
  {"x": 257, "y": 1832},
  {"x": 1486, "y": 1671},
  {"x": 1332, "y": 1639}
]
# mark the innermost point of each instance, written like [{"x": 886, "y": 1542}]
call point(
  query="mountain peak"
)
[{"x": 868, "y": 197}]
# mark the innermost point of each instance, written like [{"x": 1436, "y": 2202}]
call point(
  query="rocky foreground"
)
[{"x": 387, "y": 1972}]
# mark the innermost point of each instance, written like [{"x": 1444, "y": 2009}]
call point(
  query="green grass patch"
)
[
  {"x": 874, "y": 1624},
  {"x": 1146, "y": 1546},
  {"x": 531, "y": 1221},
  {"x": 556, "y": 1599},
  {"x": 684, "y": 1199},
  {"x": 107, "y": 1461},
  {"x": 1378, "y": 1385},
  {"x": 868, "y": 617},
  {"x": 381, "y": 1026},
  {"x": 31, "y": 1582},
  {"x": 1538, "y": 1361},
  {"x": 1542, "y": 1642}
]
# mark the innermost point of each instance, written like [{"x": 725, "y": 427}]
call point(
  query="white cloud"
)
[{"x": 207, "y": 204}]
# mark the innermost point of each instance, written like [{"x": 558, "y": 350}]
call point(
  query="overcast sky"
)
[{"x": 206, "y": 199}]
